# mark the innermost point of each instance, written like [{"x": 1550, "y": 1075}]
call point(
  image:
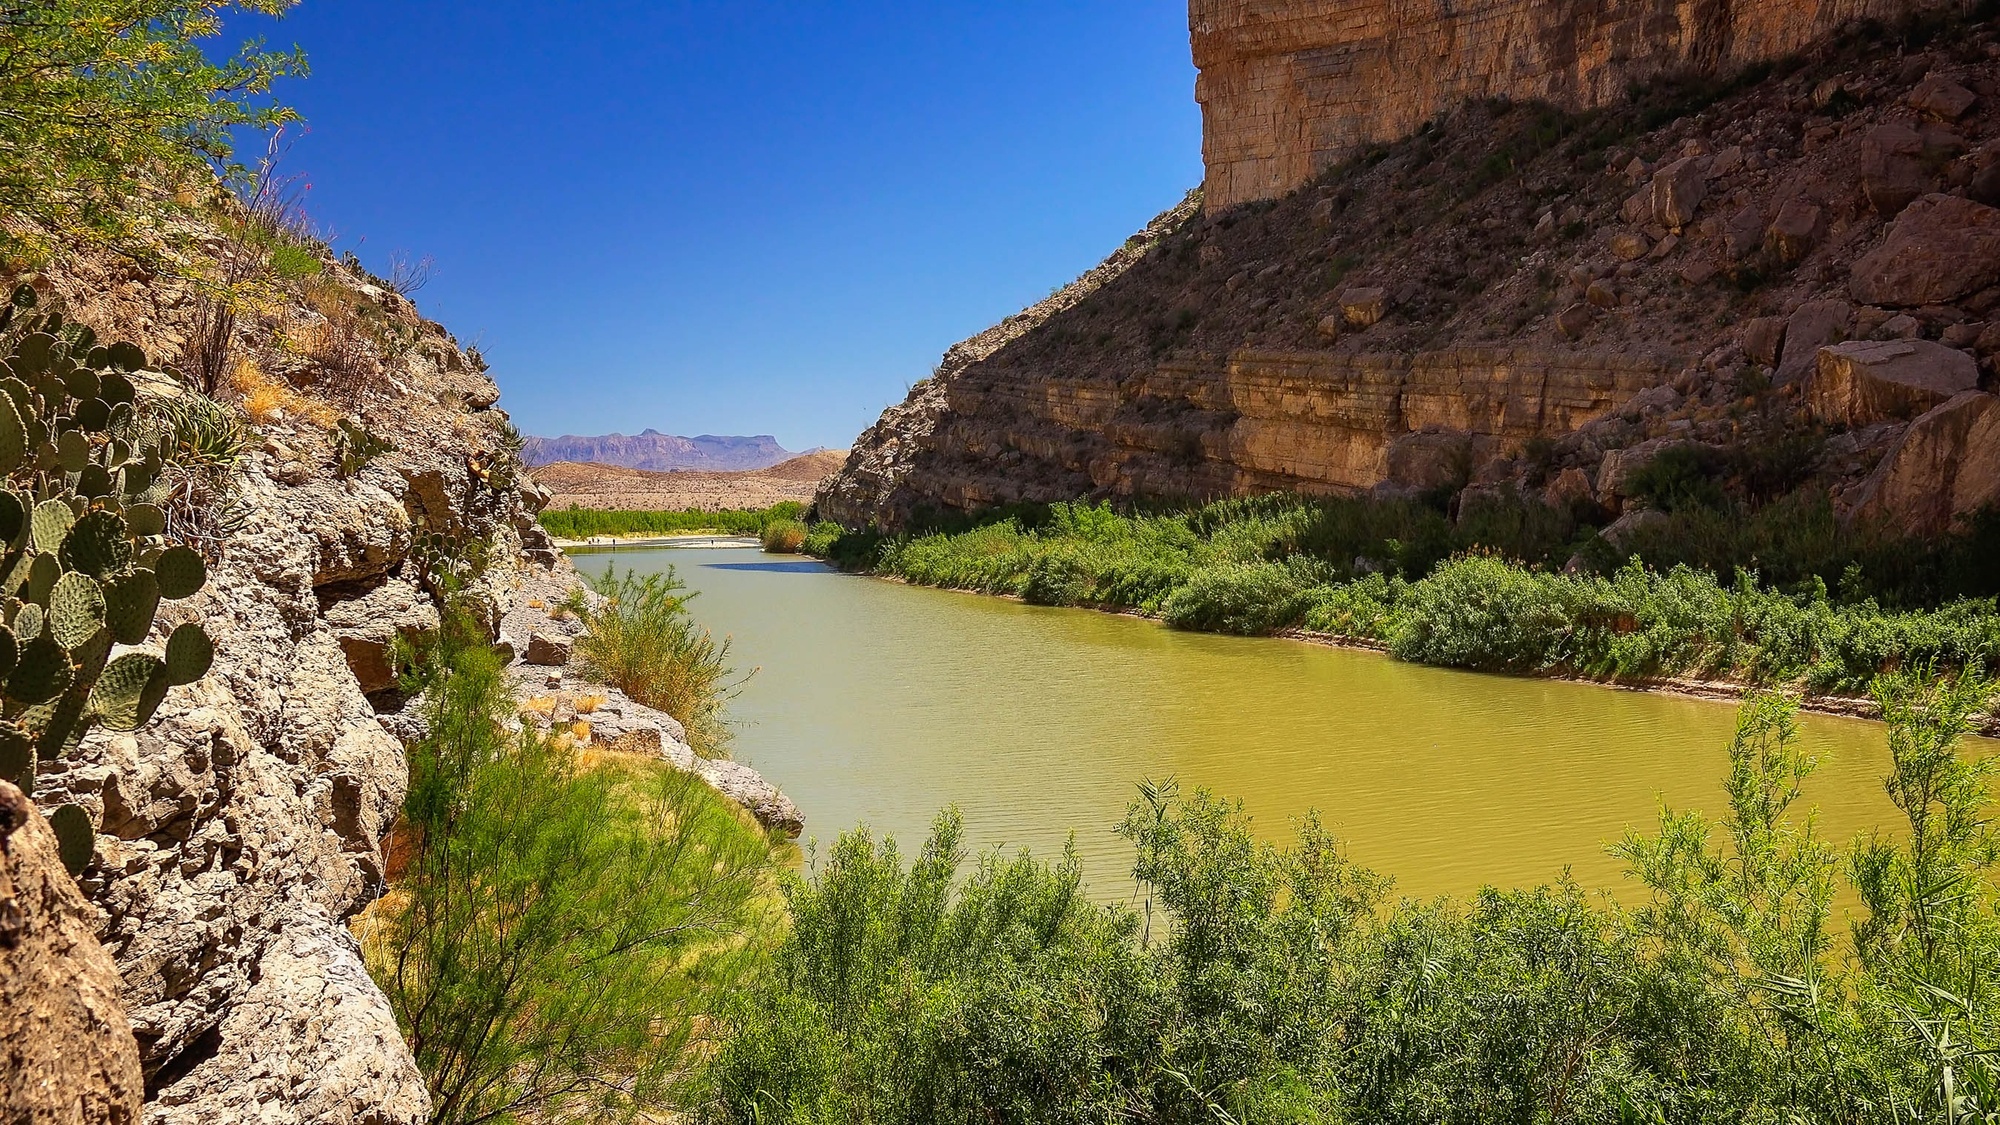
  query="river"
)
[{"x": 878, "y": 703}]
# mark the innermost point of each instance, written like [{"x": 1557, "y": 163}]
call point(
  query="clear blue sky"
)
[{"x": 737, "y": 217}]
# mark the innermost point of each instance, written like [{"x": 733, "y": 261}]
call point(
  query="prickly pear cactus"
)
[{"x": 83, "y": 563}]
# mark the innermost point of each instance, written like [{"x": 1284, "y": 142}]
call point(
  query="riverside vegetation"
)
[
  {"x": 582, "y": 523},
  {"x": 1511, "y": 584}
]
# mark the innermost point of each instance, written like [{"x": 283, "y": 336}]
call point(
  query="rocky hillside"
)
[
  {"x": 242, "y": 828},
  {"x": 1799, "y": 260},
  {"x": 636, "y": 490},
  {"x": 656, "y": 452}
]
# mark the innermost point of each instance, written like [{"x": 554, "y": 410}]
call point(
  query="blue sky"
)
[{"x": 740, "y": 217}]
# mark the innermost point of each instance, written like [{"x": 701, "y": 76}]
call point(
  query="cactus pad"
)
[
  {"x": 13, "y": 515},
  {"x": 76, "y": 610},
  {"x": 189, "y": 654},
  {"x": 94, "y": 414},
  {"x": 41, "y": 672},
  {"x": 181, "y": 572},
  {"x": 72, "y": 450},
  {"x": 52, "y": 520},
  {"x": 76, "y": 840},
  {"x": 27, "y": 625},
  {"x": 99, "y": 543},
  {"x": 80, "y": 382},
  {"x": 127, "y": 357},
  {"x": 130, "y": 600},
  {"x": 33, "y": 353},
  {"x": 17, "y": 757},
  {"x": 129, "y": 690},
  {"x": 115, "y": 389},
  {"x": 144, "y": 520},
  {"x": 13, "y": 436},
  {"x": 42, "y": 575}
]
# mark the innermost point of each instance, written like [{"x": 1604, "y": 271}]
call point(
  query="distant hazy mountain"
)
[{"x": 658, "y": 452}]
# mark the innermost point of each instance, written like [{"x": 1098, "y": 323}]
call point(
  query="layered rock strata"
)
[
  {"x": 1519, "y": 297},
  {"x": 1290, "y": 87}
]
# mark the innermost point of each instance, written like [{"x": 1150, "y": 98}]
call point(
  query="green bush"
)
[
  {"x": 784, "y": 537},
  {"x": 1246, "y": 598},
  {"x": 581, "y": 523},
  {"x": 562, "y": 935},
  {"x": 639, "y": 638},
  {"x": 1284, "y": 984}
]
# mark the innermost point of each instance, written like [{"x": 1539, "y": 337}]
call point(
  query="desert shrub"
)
[
  {"x": 1678, "y": 477},
  {"x": 576, "y": 522},
  {"x": 1246, "y": 598},
  {"x": 564, "y": 930},
  {"x": 1481, "y": 612},
  {"x": 784, "y": 537},
  {"x": 918, "y": 992},
  {"x": 108, "y": 101},
  {"x": 199, "y": 485},
  {"x": 823, "y": 539},
  {"x": 639, "y": 638}
]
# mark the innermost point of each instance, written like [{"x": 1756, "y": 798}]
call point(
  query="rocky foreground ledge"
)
[{"x": 555, "y": 696}]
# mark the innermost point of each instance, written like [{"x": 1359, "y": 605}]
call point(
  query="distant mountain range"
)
[{"x": 658, "y": 452}]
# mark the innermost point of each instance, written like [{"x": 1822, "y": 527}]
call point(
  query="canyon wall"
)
[
  {"x": 1515, "y": 296},
  {"x": 1288, "y": 87}
]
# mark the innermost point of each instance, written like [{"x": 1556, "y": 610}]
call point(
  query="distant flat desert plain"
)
[{"x": 610, "y": 487}]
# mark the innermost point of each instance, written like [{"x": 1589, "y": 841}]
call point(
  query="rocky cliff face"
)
[
  {"x": 245, "y": 826},
  {"x": 1519, "y": 294},
  {"x": 1290, "y": 87}
]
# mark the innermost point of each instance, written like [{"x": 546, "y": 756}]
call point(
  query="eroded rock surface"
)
[{"x": 66, "y": 1051}]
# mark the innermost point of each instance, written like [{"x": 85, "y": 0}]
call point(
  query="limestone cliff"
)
[
  {"x": 242, "y": 828},
  {"x": 1516, "y": 293},
  {"x": 1290, "y": 87}
]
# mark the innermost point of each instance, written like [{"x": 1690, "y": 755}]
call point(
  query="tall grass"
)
[
  {"x": 581, "y": 523},
  {"x": 784, "y": 537},
  {"x": 1286, "y": 984},
  {"x": 564, "y": 929},
  {"x": 1400, "y": 575},
  {"x": 640, "y": 639}
]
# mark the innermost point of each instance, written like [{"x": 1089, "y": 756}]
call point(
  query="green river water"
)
[{"x": 878, "y": 703}]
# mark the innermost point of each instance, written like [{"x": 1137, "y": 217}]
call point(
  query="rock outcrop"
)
[
  {"x": 66, "y": 1051},
  {"x": 1510, "y": 294},
  {"x": 1290, "y": 87},
  {"x": 243, "y": 827}
]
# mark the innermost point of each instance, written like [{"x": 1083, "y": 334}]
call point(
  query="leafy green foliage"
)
[
  {"x": 1283, "y": 984},
  {"x": 582, "y": 523},
  {"x": 640, "y": 639},
  {"x": 75, "y": 573},
  {"x": 784, "y": 537},
  {"x": 355, "y": 447},
  {"x": 563, "y": 931},
  {"x": 106, "y": 99}
]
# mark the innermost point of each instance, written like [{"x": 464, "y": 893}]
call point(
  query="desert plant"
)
[
  {"x": 355, "y": 447},
  {"x": 85, "y": 559},
  {"x": 200, "y": 478},
  {"x": 109, "y": 100},
  {"x": 640, "y": 639},
  {"x": 784, "y": 537},
  {"x": 566, "y": 927}
]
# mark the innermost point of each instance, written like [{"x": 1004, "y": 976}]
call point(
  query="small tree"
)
[
  {"x": 561, "y": 931},
  {"x": 105, "y": 105}
]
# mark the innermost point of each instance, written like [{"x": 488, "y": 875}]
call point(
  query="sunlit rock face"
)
[{"x": 1288, "y": 87}]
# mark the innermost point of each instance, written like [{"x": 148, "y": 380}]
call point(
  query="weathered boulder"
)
[
  {"x": 66, "y": 1051},
  {"x": 1945, "y": 467},
  {"x": 1677, "y": 191},
  {"x": 1892, "y": 170},
  {"x": 1942, "y": 98},
  {"x": 1811, "y": 326},
  {"x": 1764, "y": 339},
  {"x": 1425, "y": 461},
  {"x": 1615, "y": 471},
  {"x": 368, "y": 627},
  {"x": 1862, "y": 382},
  {"x": 549, "y": 649},
  {"x": 1941, "y": 248},
  {"x": 1621, "y": 531},
  {"x": 1573, "y": 321},
  {"x": 1363, "y": 305},
  {"x": 1571, "y": 487},
  {"x": 1629, "y": 245},
  {"x": 1798, "y": 227}
]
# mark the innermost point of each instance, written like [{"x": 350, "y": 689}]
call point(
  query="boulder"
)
[
  {"x": 1425, "y": 461},
  {"x": 1619, "y": 464},
  {"x": 368, "y": 627},
  {"x": 1629, "y": 245},
  {"x": 1329, "y": 326},
  {"x": 66, "y": 1051},
  {"x": 1627, "y": 527},
  {"x": 1812, "y": 325},
  {"x": 1764, "y": 339},
  {"x": 548, "y": 649},
  {"x": 1945, "y": 467},
  {"x": 1892, "y": 171},
  {"x": 1939, "y": 249},
  {"x": 1941, "y": 98},
  {"x": 1862, "y": 382},
  {"x": 1571, "y": 487},
  {"x": 1743, "y": 233},
  {"x": 1799, "y": 226},
  {"x": 1602, "y": 293},
  {"x": 1573, "y": 321},
  {"x": 1677, "y": 191},
  {"x": 1363, "y": 305}
]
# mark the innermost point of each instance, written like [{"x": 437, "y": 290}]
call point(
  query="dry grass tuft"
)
[{"x": 267, "y": 400}]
